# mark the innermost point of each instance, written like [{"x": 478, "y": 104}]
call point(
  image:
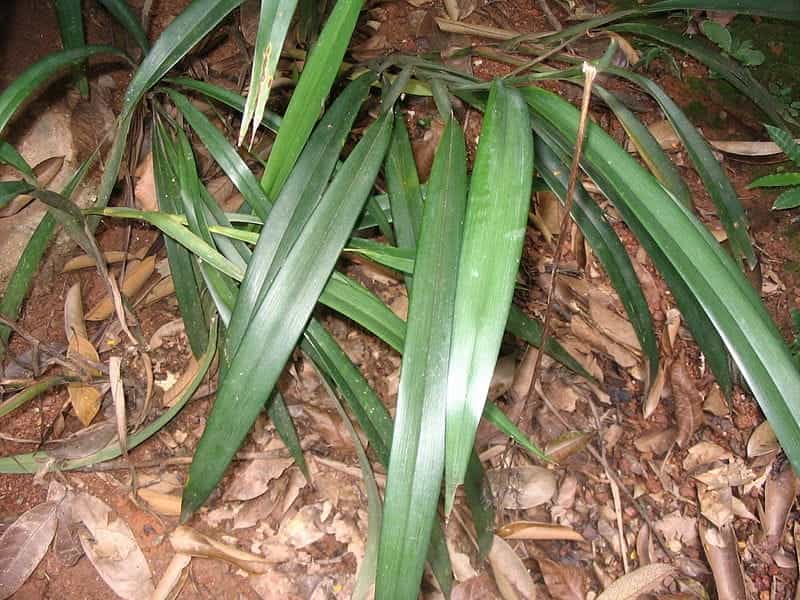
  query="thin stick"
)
[
  {"x": 590, "y": 72},
  {"x": 551, "y": 18}
]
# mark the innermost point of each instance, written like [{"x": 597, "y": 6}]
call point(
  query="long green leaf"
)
[
  {"x": 70, "y": 22},
  {"x": 788, "y": 199},
  {"x": 785, "y": 142},
  {"x": 608, "y": 248},
  {"x": 35, "y": 76},
  {"x": 776, "y": 180},
  {"x": 729, "y": 209},
  {"x": 10, "y": 156},
  {"x": 282, "y": 315},
  {"x": 11, "y": 189},
  {"x": 273, "y": 24},
  {"x": 494, "y": 231},
  {"x": 121, "y": 11},
  {"x": 648, "y": 147},
  {"x": 270, "y": 120},
  {"x": 738, "y": 76},
  {"x": 187, "y": 287},
  {"x": 707, "y": 271},
  {"x": 309, "y": 96},
  {"x": 417, "y": 457},
  {"x": 186, "y": 30}
]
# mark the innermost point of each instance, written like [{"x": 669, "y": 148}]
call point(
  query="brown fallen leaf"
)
[
  {"x": 253, "y": 480},
  {"x": 721, "y": 551},
  {"x": 502, "y": 378},
  {"x": 637, "y": 582},
  {"x": 762, "y": 441},
  {"x": 512, "y": 578},
  {"x": 688, "y": 402},
  {"x": 179, "y": 387},
  {"x": 779, "y": 496},
  {"x": 164, "y": 504},
  {"x": 187, "y": 541},
  {"x": 24, "y": 544},
  {"x": 111, "y": 547},
  {"x": 733, "y": 474},
  {"x": 84, "y": 261},
  {"x": 172, "y": 577},
  {"x": 83, "y": 443},
  {"x": 704, "y": 453},
  {"x": 537, "y": 530},
  {"x": 657, "y": 442},
  {"x": 478, "y": 588},
  {"x": 45, "y": 173},
  {"x": 524, "y": 487},
  {"x": 715, "y": 402},
  {"x": 567, "y": 444},
  {"x": 144, "y": 192},
  {"x": 563, "y": 581},
  {"x": 425, "y": 147},
  {"x": 85, "y": 399},
  {"x": 135, "y": 277},
  {"x": 716, "y": 505},
  {"x": 163, "y": 289}
]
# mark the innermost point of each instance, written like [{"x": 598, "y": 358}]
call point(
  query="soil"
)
[{"x": 29, "y": 32}]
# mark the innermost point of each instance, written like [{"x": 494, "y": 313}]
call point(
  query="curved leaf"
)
[{"x": 121, "y": 11}]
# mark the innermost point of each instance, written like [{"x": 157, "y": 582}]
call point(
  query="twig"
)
[
  {"x": 173, "y": 461},
  {"x": 551, "y": 18},
  {"x": 590, "y": 72}
]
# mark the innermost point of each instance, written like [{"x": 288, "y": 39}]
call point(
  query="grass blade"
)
[
  {"x": 309, "y": 96},
  {"x": 496, "y": 218},
  {"x": 186, "y": 30},
  {"x": 187, "y": 286},
  {"x": 70, "y": 22},
  {"x": 608, "y": 248},
  {"x": 120, "y": 10},
  {"x": 35, "y": 76},
  {"x": 282, "y": 315},
  {"x": 270, "y": 120},
  {"x": 10, "y": 156},
  {"x": 709, "y": 274},
  {"x": 729, "y": 209},
  {"x": 648, "y": 147},
  {"x": 418, "y": 447},
  {"x": 273, "y": 24},
  {"x": 224, "y": 153}
]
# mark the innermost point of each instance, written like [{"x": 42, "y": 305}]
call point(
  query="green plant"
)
[
  {"x": 791, "y": 197},
  {"x": 253, "y": 278},
  {"x": 740, "y": 50}
]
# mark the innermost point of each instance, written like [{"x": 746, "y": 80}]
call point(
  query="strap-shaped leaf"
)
[
  {"x": 648, "y": 147},
  {"x": 494, "y": 232},
  {"x": 418, "y": 452},
  {"x": 186, "y": 30},
  {"x": 709, "y": 274},
  {"x": 776, "y": 180},
  {"x": 70, "y": 23},
  {"x": 309, "y": 96},
  {"x": 282, "y": 315},
  {"x": 729, "y": 209},
  {"x": 35, "y": 76},
  {"x": 273, "y": 24},
  {"x": 402, "y": 183},
  {"x": 785, "y": 142},
  {"x": 121, "y": 11}
]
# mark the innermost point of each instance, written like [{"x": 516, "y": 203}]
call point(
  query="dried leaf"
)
[
  {"x": 24, "y": 544},
  {"x": 171, "y": 329},
  {"x": 656, "y": 390},
  {"x": 704, "y": 453},
  {"x": 118, "y": 395},
  {"x": 678, "y": 531},
  {"x": 779, "y": 495},
  {"x": 176, "y": 389},
  {"x": 193, "y": 543},
  {"x": 567, "y": 444},
  {"x": 523, "y": 487},
  {"x": 135, "y": 278},
  {"x": 715, "y": 402},
  {"x": 253, "y": 480},
  {"x": 657, "y": 442},
  {"x": 762, "y": 441},
  {"x": 425, "y": 147},
  {"x": 614, "y": 326},
  {"x": 477, "y": 588},
  {"x": 163, "y": 504},
  {"x": 85, "y": 399},
  {"x": 536, "y": 530},
  {"x": 512, "y": 578},
  {"x": 112, "y": 548},
  {"x": 723, "y": 556},
  {"x": 145, "y": 189},
  {"x": 84, "y": 261},
  {"x": 716, "y": 505},
  {"x": 688, "y": 402},
  {"x": 171, "y": 577},
  {"x": 83, "y": 443},
  {"x": 637, "y": 582},
  {"x": 733, "y": 474},
  {"x": 563, "y": 581},
  {"x": 163, "y": 289}
]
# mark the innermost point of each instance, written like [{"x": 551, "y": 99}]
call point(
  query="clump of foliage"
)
[{"x": 791, "y": 179}]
